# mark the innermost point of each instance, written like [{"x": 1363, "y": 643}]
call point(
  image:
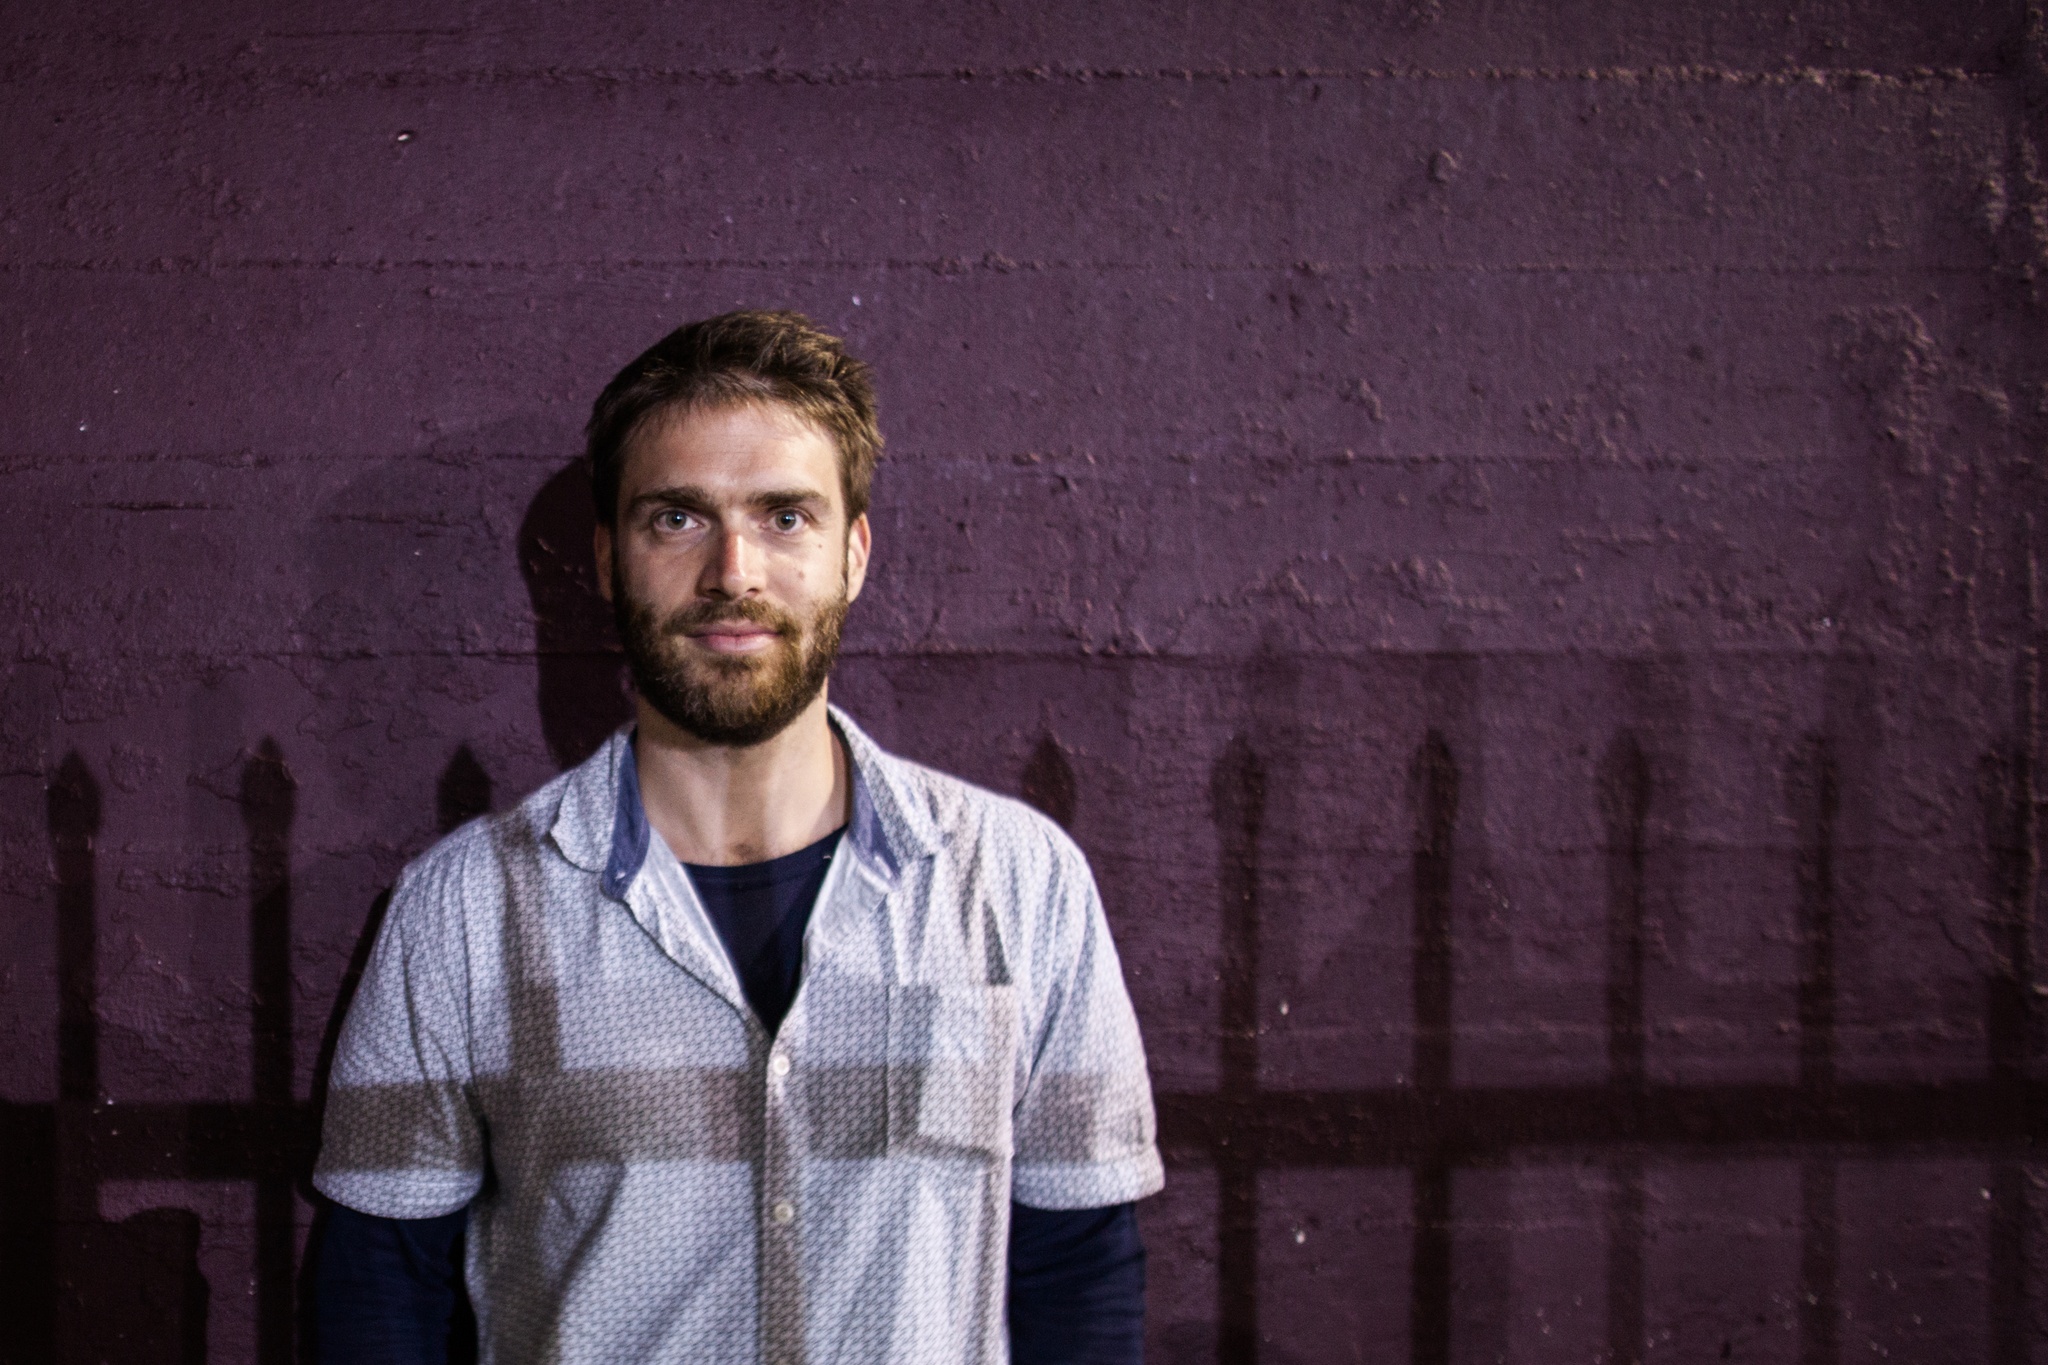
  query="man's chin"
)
[
  {"x": 737, "y": 728},
  {"x": 731, "y": 679},
  {"x": 742, "y": 707},
  {"x": 731, "y": 706}
]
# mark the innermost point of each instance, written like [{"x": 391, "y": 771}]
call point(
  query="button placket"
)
[
  {"x": 781, "y": 1285},
  {"x": 776, "y": 1168}
]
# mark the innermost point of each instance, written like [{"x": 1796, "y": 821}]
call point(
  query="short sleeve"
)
[
  {"x": 401, "y": 1136},
  {"x": 1086, "y": 1135}
]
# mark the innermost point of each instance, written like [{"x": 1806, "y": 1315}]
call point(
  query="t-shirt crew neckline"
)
[
  {"x": 789, "y": 867},
  {"x": 761, "y": 913}
]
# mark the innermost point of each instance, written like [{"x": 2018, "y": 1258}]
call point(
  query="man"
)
[{"x": 743, "y": 1040}]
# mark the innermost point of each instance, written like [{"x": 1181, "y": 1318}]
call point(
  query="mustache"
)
[{"x": 697, "y": 615}]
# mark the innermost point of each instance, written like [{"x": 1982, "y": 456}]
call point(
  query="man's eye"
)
[
  {"x": 787, "y": 520},
  {"x": 673, "y": 519}
]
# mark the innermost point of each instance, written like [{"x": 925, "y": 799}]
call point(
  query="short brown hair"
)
[{"x": 745, "y": 357}]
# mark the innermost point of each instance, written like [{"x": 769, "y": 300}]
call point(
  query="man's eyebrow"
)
[
  {"x": 699, "y": 500},
  {"x": 676, "y": 495},
  {"x": 785, "y": 497}
]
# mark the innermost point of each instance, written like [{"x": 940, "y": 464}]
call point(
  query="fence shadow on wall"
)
[
  {"x": 75, "y": 1286},
  {"x": 1434, "y": 1127},
  {"x": 78, "y": 1286}
]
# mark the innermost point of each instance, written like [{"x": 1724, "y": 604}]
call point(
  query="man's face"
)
[{"x": 731, "y": 568}]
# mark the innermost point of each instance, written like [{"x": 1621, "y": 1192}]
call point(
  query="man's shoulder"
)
[
  {"x": 509, "y": 843},
  {"x": 969, "y": 821}
]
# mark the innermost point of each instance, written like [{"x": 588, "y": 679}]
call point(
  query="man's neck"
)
[{"x": 723, "y": 806}]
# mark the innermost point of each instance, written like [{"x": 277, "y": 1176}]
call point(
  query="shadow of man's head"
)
[{"x": 582, "y": 694}]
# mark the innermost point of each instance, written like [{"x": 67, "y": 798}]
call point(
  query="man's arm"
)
[
  {"x": 1085, "y": 1138},
  {"x": 1077, "y": 1286},
  {"x": 386, "y": 1290}
]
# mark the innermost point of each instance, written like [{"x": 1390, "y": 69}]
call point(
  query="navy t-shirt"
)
[
  {"x": 389, "y": 1290},
  {"x": 761, "y": 910}
]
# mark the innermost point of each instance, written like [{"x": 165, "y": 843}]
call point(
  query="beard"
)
[{"x": 734, "y": 701}]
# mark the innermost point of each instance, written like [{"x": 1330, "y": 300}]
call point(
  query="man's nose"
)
[{"x": 734, "y": 569}]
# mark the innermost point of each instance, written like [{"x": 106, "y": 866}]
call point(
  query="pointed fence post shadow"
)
[
  {"x": 1624, "y": 811},
  {"x": 1813, "y": 790},
  {"x": 463, "y": 793},
  {"x": 2011, "y": 802},
  {"x": 1237, "y": 803},
  {"x": 46, "y": 1188},
  {"x": 1049, "y": 782},
  {"x": 87, "y": 1289},
  {"x": 74, "y": 814},
  {"x": 269, "y": 804},
  {"x": 1433, "y": 792},
  {"x": 74, "y": 808}
]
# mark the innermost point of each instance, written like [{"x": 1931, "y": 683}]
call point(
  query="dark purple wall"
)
[{"x": 1507, "y": 530}]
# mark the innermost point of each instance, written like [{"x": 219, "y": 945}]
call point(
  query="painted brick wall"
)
[{"x": 1505, "y": 528}]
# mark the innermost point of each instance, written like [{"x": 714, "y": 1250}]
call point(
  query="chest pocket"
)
[{"x": 951, "y": 1069}]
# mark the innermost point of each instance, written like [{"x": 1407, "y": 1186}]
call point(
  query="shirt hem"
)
[
  {"x": 396, "y": 1196},
  {"x": 1088, "y": 1185}
]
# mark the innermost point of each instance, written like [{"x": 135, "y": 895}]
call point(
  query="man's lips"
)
[{"x": 734, "y": 637}]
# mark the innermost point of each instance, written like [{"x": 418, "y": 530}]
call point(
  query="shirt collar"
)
[
  {"x": 629, "y": 826},
  {"x": 602, "y": 827}
]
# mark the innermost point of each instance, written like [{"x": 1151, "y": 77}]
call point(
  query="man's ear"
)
[
  {"x": 601, "y": 550},
  {"x": 859, "y": 545}
]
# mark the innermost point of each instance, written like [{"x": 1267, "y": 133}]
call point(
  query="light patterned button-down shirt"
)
[{"x": 550, "y": 1031}]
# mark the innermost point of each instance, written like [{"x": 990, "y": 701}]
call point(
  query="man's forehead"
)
[
  {"x": 731, "y": 444},
  {"x": 759, "y": 418}
]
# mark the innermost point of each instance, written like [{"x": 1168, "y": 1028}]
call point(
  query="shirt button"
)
[
  {"x": 783, "y": 1211},
  {"x": 778, "y": 1065}
]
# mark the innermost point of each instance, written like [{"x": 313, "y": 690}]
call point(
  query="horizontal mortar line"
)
[
  {"x": 325, "y": 80},
  {"x": 146, "y": 506},
  {"x": 1108, "y": 657},
  {"x": 238, "y": 463},
  {"x": 471, "y": 34},
  {"x": 956, "y": 266},
  {"x": 1326, "y": 458},
  {"x": 1999, "y": 653},
  {"x": 1305, "y": 1128},
  {"x": 1103, "y": 464}
]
